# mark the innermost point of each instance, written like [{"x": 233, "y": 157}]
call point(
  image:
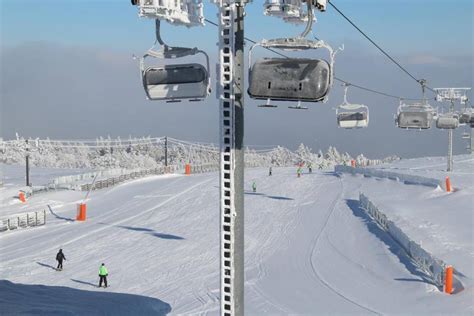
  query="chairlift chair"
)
[
  {"x": 175, "y": 82},
  {"x": 352, "y": 115},
  {"x": 414, "y": 116},
  {"x": 465, "y": 116},
  {"x": 447, "y": 121},
  {"x": 291, "y": 79}
]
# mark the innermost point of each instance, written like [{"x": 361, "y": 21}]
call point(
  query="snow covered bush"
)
[{"x": 148, "y": 152}]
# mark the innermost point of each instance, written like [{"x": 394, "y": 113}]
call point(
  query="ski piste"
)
[{"x": 296, "y": 238}]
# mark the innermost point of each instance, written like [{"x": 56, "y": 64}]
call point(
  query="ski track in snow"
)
[
  {"x": 118, "y": 222},
  {"x": 316, "y": 272}
]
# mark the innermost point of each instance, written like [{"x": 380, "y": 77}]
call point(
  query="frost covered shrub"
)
[{"x": 150, "y": 153}]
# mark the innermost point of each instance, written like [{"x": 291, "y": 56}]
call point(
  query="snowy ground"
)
[{"x": 309, "y": 248}]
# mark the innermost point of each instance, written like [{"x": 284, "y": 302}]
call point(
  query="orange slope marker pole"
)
[
  {"x": 448, "y": 184},
  {"x": 21, "y": 196},
  {"x": 448, "y": 282}
]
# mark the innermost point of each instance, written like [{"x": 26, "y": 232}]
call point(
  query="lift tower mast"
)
[{"x": 451, "y": 95}]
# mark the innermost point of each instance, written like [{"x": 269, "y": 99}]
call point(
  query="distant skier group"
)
[{"x": 103, "y": 273}]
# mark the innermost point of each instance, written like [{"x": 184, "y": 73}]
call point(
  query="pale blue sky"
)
[
  {"x": 401, "y": 26},
  {"x": 75, "y": 56}
]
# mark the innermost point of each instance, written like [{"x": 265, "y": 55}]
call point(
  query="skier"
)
[
  {"x": 59, "y": 258},
  {"x": 103, "y": 273},
  {"x": 310, "y": 167},
  {"x": 254, "y": 186},
  {"x": 298, "y": 172},
  {"x": 270, "y": 171}
]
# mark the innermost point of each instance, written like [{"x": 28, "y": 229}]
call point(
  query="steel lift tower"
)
[
  {"x": 231, "y": 107},
  {"x": 230, "y": 93},
  {"x": 451, "y": 95}
]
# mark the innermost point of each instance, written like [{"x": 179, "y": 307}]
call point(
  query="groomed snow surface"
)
[{"x": 309, "y": 249}]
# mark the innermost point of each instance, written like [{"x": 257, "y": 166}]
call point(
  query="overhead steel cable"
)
[
  {"x": 419, "y": 81},
  {"x": 336, "y": 78}
]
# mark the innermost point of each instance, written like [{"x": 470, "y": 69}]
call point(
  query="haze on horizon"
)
[{"x": 67, "y": 72}]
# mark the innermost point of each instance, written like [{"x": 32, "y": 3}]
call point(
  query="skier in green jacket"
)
[
  {"x": 103, "y": 273},
  {"x": 254, "y": 186}
]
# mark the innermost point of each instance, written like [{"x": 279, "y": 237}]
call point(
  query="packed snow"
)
[{"x": 309, "y": 249}]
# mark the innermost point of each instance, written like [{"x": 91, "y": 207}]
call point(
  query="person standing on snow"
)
[
  {"x": 103, "y": 273},
  {"x": 310, "y": 167},
  {"x": 254, "y": 186},
  {"x": 298, "y": 172},
  {"x": 270, "y": 171},
  {"x": 59, "y": 258}
]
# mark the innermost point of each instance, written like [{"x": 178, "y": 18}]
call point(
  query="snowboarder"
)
[
  {"x": 270, "y": 171},
  {"x": 103, "y": 273},
  {"x": 59, "y": 258},
  {"x": 254, "y": 186},
  {"x": 298, "y": 172},
  {"x": 310, "y": 167}
]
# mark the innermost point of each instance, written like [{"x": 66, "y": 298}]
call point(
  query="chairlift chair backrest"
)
[
  {"x": 352, "y": 115},
  {"x": 175, "y": 82},
  {"x": 465, "y": 116},
  {"x": 415, "y": 116},
  {"x": 447, "y": 121},
  {"x": 290, "y": 79}
]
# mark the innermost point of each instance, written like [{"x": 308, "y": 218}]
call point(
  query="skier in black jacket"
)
[{"x": 59, "y": 258}]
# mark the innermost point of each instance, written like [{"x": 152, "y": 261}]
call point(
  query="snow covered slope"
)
[{"x": 309, "y": 249}]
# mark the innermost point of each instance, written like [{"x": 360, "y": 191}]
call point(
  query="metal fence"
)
[
  {"x": 125, "y": 176},
  {"x": 433, "y": 267},
  {"x": 406, "y": 178},
  {"x": 108, "y": 178},
  {"x": 30, "y": 219}
]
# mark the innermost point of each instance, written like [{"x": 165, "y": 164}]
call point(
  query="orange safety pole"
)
[
  {"x": 187, "y": 169},
  {"x": 81, "y": 212},
  {"x": 21, "y": 196},
  {"x": 448, "y": 184},
  {"x": 448, "y": 280}
]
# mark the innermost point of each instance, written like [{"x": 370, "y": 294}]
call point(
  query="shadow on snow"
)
[
  {"x": 393, "y": 246},
  {"x": 46, "y": 265},
  {"x": 67, "y": 219},
  {"x": 270, "y": 196},
  {"x": 59, "y": 300},
  {"x": 151, "y": 232},
  {"x": 85, "y": 282}
]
